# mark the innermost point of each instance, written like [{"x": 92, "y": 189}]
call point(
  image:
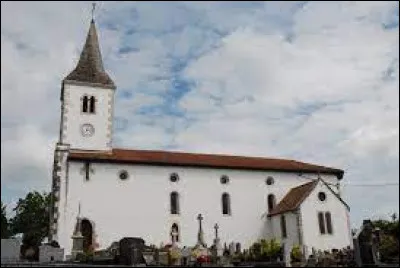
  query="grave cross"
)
[
  {"x": 216, "y": 230},
  {"x": 200, "y": 218}
]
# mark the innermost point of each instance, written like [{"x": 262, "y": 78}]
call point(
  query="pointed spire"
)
[{"x": 90, "y": 66}]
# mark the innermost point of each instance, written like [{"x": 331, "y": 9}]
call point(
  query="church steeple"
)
[{"x": 90, "y": 67}]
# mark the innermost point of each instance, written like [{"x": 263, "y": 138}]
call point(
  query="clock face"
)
[{"x": 87, "y": 130}]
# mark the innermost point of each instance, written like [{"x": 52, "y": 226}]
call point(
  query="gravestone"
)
[
  {"x": 186, "y": 253},
  {"x": 131, "y": 251},
  {"x": 49, "y": 253},
  {"x": 231, "y": 249},
  {"x": 286, "y": 254},
  {"x": 163, "y": 257},
  {"x": 238, "y": 248},
  {"x": 10, "y": 250}
]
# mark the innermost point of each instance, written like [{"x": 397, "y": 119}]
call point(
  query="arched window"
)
[
  {"x": 175, "y": 232},
  {"x": 271, "y": 202},
  {"x": 174, "y": 203},
  {"x": 85, "y": 101},
  {"x": 226, "y": 204},
  {"x": 92, "y": 104}
]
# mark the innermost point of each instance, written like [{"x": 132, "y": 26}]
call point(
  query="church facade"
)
[{"x": 136, "y": 193}]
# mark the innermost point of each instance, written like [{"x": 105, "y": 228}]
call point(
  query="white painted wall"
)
[
  {"x": 140, "y": 205},
  {"x": 73, "y": 118},
  {"x": 311, "y": 234},
  {"x": 292, "y": 233}
]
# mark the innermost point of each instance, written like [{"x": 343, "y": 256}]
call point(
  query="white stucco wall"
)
[
  {"x": 311, "y": 234},
  {"x": 140, "y": 205},
  {"x": 73, "y": 118},
  {"x": 292, "y": 233}
]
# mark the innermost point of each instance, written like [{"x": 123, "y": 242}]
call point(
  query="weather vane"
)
[{"x": 93, "y": 8}]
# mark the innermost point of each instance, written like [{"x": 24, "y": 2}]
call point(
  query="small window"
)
[
  {"x": 226, "y": 204},
  {"x": 87, "y": 171},
  {"x": 123, "y": 175},
  {"x": 174, "y": 203},
  {"x": 271, "y": 202},
  {"x": 269, "y": 180},
  {"x": 328, "y": 222},
  {"x": 283, "y": 226},
  {"x": 321, "y": 223},
  {"x": 224, "y": 179},
  {"x": 92, "y": 104},
  {"x": 174, "y": 177},
  {"x": 321, "y": 196},
  {"x": 85, "y": 101}
]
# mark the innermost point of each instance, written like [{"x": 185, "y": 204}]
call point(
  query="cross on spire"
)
[{"x": 93, "y": 8}]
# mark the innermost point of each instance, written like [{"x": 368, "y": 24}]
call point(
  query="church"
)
[{"x": 121, "y": 192}]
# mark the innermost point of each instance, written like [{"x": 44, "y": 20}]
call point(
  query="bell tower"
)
[{"x": 87, "y": 100}]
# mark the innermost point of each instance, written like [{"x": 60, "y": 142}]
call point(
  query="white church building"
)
[{"x": 137, "y": 193}]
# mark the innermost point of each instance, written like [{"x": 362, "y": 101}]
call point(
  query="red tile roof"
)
[
  {"x": 294, "y": 198},
  {"x": 201, "y": 160}
]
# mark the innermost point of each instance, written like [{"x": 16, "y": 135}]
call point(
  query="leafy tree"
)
[
  {"x": 389, "y": 242},
  {"x": 5, "y": 231},
  {"x": 32, "y": 218}
]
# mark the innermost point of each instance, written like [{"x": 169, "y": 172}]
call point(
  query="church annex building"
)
[{"x": 138, "y": 193}]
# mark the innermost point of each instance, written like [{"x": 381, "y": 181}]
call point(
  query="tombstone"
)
[
  {"x": 200, "y": 234},
  {"x": 238, "y": 248},
  {"x": 163, "y": 258},
  {"x": 48, "y": 253},
  {"x": 10, "y": 250},
  {"x": 131, "y": 250},
  {"x": 231, "y": 249},
  {"x": 186, "y": 253},
  {"x": 286, "y": 254},
  {"x": 311, "y": 261},
  {"x": 77, "y": 241}
]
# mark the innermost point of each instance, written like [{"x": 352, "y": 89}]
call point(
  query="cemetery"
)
[{"x": 132, "y": 251}]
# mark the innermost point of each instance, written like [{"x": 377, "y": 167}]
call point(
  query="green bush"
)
[{"x": 295, "y": 254}]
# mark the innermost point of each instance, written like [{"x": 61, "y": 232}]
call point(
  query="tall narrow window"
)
[
  {"x": 226, "y": 204},
  {"x": 174, "y": 203},
  {"x": 283, "y": 226},
  {"x": 85, "y": 101},
  {"x": 175, "y": 232},
  {"x": 92, "y": 104},
  {"x": 321, "y": 223},
  {"x": 87, "y": 171},
  {"x": 271, "y": 202},
  {"x": 328, "y": 222}
]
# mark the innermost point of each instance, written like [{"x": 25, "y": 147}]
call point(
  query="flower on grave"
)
[{"x": 175, "y": 253}]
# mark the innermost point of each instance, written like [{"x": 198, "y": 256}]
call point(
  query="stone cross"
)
[
  {"x": 216, "y": 231},
  {"x": 200, "y": 240},
  {"x": 200, "y": 218}
]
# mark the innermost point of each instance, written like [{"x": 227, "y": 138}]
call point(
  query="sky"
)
[{"x": 313, "y": 81}]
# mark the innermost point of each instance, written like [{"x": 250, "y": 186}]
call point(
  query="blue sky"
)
[{"x": 312, "y": 81}]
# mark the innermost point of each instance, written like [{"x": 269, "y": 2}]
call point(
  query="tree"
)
[
  {"x": 389, "y": 242},
  {"x": 5, "y": 231},
  {"x": 32, "y": 218}
]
